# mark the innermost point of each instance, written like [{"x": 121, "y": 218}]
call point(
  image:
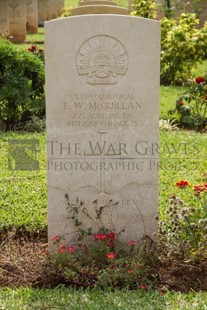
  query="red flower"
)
[
  {"x": 111, "y": 255},
  {"x": 71, "y": 248},
  {"x": 32, "y": 48},
  {"x": 199, "y": 80},
  {"x": 200, "y": 188},
  {"x": 143, "y": 286},
  {"x": 101, "y": 236},
  {"x": 55, "y": 238},
  {"x": 112, "y": 235},
  {"x": 180, "y": 102},
  {"x": 130, "y": 271},
  {"x": 47, "y": 252},
  {"x": 111, "y": 244},
  {"x": 182, "y": 184},
  {"x": 131, "y": 242},
  {"x": 163, "y": 293},
  {"x": 61, "y": 250}
]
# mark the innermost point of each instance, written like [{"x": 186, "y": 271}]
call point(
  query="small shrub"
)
[
  {"x": 191, "y": 107},
  {"x": 35, "y": 124},
  {"x": 102, "y": 262},
  {"x": 100, "y": 259},
  {"x": 21, "y": 85},
  {"x": 182, "y": 46},
  {"x": 170, "y": 7},
  {"x": 183, "y": 226},
  {"x": 38, "y": 52},
  {"x": 66, "y": 12},
  {"x": 144, "y": 8}
]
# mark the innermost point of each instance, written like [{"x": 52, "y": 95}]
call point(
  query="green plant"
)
[
  {"x": 35, "y": 124},
  {"x": 182, "y": 46},
  {"x": 21, "y": 85},
  {"x": 100, "y": 259},
  {"x": 66, "y": 12},
  {"x": 166, "y": 124},
  {"x": 144, "y": 8},
  {"x": 183, "y": 227},
  {"x": 38, "y": 52},
  {"x": 171, "y": 7},
  {"x": 191, "y": 107}
]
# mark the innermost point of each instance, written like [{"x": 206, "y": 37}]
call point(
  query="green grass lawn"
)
[
  {"x": 31, "y": 38},
  {"x": 70, "y": 299}
]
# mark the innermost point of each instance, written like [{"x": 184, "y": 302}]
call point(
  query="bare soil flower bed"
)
[{"x": 22, "y": 263}]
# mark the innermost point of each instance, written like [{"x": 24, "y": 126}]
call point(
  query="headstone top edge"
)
[{"x": 100, "y": 16}]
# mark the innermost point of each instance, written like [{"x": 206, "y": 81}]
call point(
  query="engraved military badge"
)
[
  {"x": 103, "y": 59},
  {"x": 13, "y": 4}
]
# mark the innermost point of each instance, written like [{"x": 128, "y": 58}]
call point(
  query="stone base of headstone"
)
[
  {"x": 97, "y": 2},
  {"x": 99, "y": 9},
  {"x": 42, "y": 11},
  {"x": 32, "y": 16}
]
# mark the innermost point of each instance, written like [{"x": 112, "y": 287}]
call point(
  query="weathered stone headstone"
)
[
  {"x": 17, "y": 20},
  {"x": 52, "y": 9},
  {"x": 4, "y": 21},
  {"x": 32, "y": 16},
  {"x": 47, "y": 10},
  {"x": 102, "y": 93},
  {"x": 42, "y": 11}
]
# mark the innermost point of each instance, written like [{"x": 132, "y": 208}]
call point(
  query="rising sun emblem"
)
[{"x": 102, "y": 59}]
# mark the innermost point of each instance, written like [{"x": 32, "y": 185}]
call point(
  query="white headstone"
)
[{"x": 102, "y": 93}]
